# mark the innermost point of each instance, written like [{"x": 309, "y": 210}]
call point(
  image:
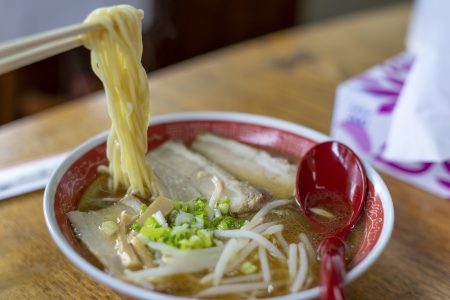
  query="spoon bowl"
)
[{"x": 331, "y": 187}]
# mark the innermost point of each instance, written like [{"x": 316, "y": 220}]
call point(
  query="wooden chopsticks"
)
[
  {"x": 27, "y": 50},
  {"x": 24, "y": 51}
]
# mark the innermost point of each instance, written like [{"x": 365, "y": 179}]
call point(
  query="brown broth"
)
[
  {"x": 337, "y": 205},
  {"x": 98, "y": 195}
]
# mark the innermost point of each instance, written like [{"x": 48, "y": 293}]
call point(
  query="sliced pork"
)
[
  {"x": 256, "y": 166},
  {"x": 169, "y": 182},
  {"x": 195, "y": 171},
  {"x": 87, "y": 226}
]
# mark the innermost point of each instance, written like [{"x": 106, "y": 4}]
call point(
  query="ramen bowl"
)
[{"x": 79, "y": 169}]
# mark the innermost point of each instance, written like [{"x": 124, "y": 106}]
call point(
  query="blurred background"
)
[{"x": 173, "y": 31}]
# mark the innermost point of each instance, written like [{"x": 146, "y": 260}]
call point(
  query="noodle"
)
[{"x": 115, "y": 58}]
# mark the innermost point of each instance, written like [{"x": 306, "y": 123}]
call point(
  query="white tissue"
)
[{"x": 420, "y": 128}]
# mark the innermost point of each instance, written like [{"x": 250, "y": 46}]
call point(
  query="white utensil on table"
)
[{"x": 27, "y": 177}]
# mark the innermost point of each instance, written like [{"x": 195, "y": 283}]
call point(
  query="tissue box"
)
[{"x": 361, "y": 120}]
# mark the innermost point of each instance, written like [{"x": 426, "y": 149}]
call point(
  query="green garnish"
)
[
  {"x": 229, "y": 223},
  {"x": 109, "y": 227},
  {"x": 151, "y": 222},
  {"x": 143, "y": 208},
  {"x": 248, "y": 268},
  {"x": 191, "y": 224},
  {"x": 224, "y": 205},
  {"x": 200, "y": 206},
  {"x": 156, "y": 234},
  {"x": 136, "y": 227},
  {"x": 216, "y": 221}
]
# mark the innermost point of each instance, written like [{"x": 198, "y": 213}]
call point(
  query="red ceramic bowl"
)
[{"x": 78, "y": 170}]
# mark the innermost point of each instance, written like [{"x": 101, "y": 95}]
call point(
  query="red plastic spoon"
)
[{"x": 331, "y": 188}]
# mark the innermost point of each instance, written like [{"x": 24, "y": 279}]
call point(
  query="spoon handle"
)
[{"x": 332, "y": 270}]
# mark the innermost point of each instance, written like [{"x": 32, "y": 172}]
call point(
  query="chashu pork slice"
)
[
  {"x": 87, "y": 224},
  {"x": 173, "y": 163},
  {"x": 170, "y": 183},
  {"x": 258, "y": 167}
]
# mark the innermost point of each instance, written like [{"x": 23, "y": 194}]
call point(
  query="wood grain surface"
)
[{"x": 290, "y": 75}]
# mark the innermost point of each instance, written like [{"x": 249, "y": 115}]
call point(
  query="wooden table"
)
[{"x": 290, "y": 75}]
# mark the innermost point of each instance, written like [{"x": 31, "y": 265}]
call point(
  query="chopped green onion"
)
[
  {"x": 206, "y": 236},
  {"x": 199, "y": 222},
  {"x": 224, "y": 205},
  {"x": 229, "y": 223},
  {"x": 248, "y": 268},
  {"x": 143, "y": 208},
  {"x": 224, "y": 208},
  {"x": 156, "y": 234},
  {"x": 136, "y": 227},
  {"x": 190, "y": 225},
  {"x": 151, "y": 222},
  {"x": 199, "y": 205},
  {"x": 181, "y": 206},
  {"x": 109, "y": 228},
  {"x": 194, "y": 242},
  {"x": 183, "y": 218},
  {"x": 159, "y": 217},
  {"x": 216, "y": 221}
]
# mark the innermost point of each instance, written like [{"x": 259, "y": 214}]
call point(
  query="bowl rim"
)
[{"x": 141, "y": 293}]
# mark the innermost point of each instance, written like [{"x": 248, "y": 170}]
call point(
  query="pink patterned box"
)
[{"x": 362, "y": 116}]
